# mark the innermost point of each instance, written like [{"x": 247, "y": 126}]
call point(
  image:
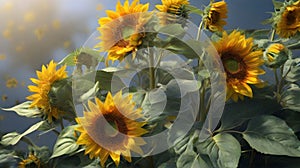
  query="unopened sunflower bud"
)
[{"x": 276, "y": 55}]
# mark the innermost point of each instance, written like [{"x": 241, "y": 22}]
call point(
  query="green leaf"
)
[
  {"x": 223, "y": 150},
  {"x": 105, "y": 77},
  {"x": 258, "y": 33},
  {"x": 292, "y": 119},
  {"x": 7, "y": 158},
  {"x": 271, "y": 135},
  {"x": 25, "y": 110},
  {"x": 14, "y": 137},
  {"x": 291, "y": 70},
  {"x": 290, "y": 98},
  {"x": 237, "y": 113},
  {"x": 66, "y": 142},
  {"x": 90, "y": 93},
  {"x": 85, "y": 53},
  {"x": 194, "y": 9},
  {"x": 173, "y": 30},
  {"x": 277, "y": 4}
]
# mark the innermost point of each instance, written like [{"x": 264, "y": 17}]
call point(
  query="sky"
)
[{"x": 35, "y": 32}]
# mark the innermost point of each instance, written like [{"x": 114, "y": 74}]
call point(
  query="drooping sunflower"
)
[
  {"x": 276, "y": 55},
  {"x": 30, "y": 161},
  {"x": 241, "y": 64},
  {"x": 40, "y": 98},
  {"x": 121, "y": 35},
  {"x": 111, "y": 129},
  {"x": 173, "y": 8},
  {"x": 288, "y": 23},
  {"x": 216, "y": 13}
]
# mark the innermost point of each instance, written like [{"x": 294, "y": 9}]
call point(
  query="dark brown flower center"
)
[
  {"x": 291, "y": 17},
  {"x": 214, "y": 17},
  {"x": 234, "y": 66},
  {"x": 109, "y": 131}
]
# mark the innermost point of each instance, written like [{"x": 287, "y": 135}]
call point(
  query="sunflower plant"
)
[{"x": 156, "y": 90}]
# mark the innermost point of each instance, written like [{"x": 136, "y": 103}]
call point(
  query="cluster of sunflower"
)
[{"x": 259, "y": 126}]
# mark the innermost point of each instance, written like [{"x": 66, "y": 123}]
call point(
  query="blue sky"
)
[{"x": 64, "y": 26}]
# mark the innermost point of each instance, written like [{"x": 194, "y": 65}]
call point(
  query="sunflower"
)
[
  {"x": 241, "y": 64},
  {"x": 276, "y": 55},
  {"x": 288, "y": 23},
  {"x": 173, "y": 11},
  {"x": 120, "y": 36},
  {"x": 105, "y": 131},
  {"x": 30, "y": 161},
  {"x": 40, "y": 98},
  {"x": 214, "y": 18}
]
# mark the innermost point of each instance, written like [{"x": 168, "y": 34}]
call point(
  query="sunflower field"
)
[{"x": 151, "y": 89}]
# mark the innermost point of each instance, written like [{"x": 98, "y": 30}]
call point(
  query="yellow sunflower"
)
[
  {"x": 121, "y": 36},
  {"x": 241, "y": 64},
  {"x": 276, "y": 55},
  {"x": 215, "y": 15},
  {"x": 173, "y": 7},
  {"x": 40, "y": 98},
  {"x": 289, "y": 21},
  {"x": 30, "y": 161},
  {"x": 106, "y": 130}
]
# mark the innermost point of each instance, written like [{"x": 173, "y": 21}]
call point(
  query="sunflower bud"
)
[
  {"x": 276, "y": 55},
  {"x": 60, "y": 97}
]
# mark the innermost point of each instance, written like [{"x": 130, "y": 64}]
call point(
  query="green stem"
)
[
  {"x": 202, "y": 109},
  {"x": 199, "y": 30},
  {"x": 252, "y": 157},
  {"x": 276, "y": 77},
  {"x": 28, "y": 141},
  {"x": 151, "y": 70},
  {"x": 62, "y": 124},
  {"x": 272, "y": 35}
]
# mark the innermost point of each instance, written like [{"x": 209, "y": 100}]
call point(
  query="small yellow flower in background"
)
[
  {"x": 11, "y": 83},
  {"x": 19, "y": 48},
  {"x": 29, "y": 17},
  {"x": 276, "y": 55},
  {"x": 2, "y": 57},
  {"x": 99, "y": 7},
  {"x": 40, "y": 32},
  {"x": 118, "y": 37},
  {"x": 8, "y": 6},
  {"x": 56, "y": 24},
  {"x": 241, "y": 64},
  {"x": 214, "y": 18},
  {"x": 174, "y": 7},
  {"x": 30, "y": 161},
  {"x": 7, "y": 34},
  {"x": 67, "y": 44},
  {"x": 288, "y": 23},
  {"x": 106, "y": 130},
  {"x": 40, "y": 98},
  {"x": 4, "y": 97}
]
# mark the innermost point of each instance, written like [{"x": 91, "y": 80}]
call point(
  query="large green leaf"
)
[
  {"x": 25, "y": 110},
  {"x": 271, "y": 135},
  {"x": 14, "y": 137},
  {"x": 66, "y": 142},
  {"x": 291, "y": 70},
  {"x": 223, "y": 150},
  {"x": 85, "y": 53},
  {"x": 236, "y": 113},
  {"x": 7, "y": 158},
  {"x": 290, "y": 98}
]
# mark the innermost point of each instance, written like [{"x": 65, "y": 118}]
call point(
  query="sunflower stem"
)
[
  {"x": 199, "y": 30},
  {"x": 28, "y": 141},
  {"x": 276, "y": 78},
  {"x": 62, "y": 124},
  {"x": 151, "y": 69},
  {"x": 272, "y": 35},
  {"x": 202, "y": 108}
]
